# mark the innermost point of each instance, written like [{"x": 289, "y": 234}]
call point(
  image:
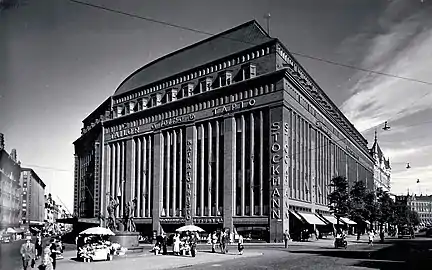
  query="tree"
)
[
  {"x": 413, "y": 218},
  {"x": 371, "y": 206},
  {"x": 339, "y": 198},
  {"x": 357, "y": 202},
  {"x": 405, "y": 216},
  {"x": 385, "y": 207}
]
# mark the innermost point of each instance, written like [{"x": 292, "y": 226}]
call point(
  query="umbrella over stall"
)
[
  {"x": 190, "y": 228},
  {"x": 97, "y": 231}
]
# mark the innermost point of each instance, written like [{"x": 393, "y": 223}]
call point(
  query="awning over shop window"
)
[
  {"x": 330, "y": 219},
  {"x": 348, "y": 221},
  {"x": 311, "y": 218},
  {"x": 367, "y": 222},
  {"x": 296, "y": 215}
]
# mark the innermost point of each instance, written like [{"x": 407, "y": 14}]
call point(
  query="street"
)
[{"x": 394, "y": 254}]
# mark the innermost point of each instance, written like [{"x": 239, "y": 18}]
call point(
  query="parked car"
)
[
  {"x": 406, "y": 231},
  {"x": 6, "y": 239},
  {"x": 429, "y": 232}
]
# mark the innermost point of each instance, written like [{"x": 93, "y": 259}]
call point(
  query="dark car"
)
[{"x": 406, "y": 232}]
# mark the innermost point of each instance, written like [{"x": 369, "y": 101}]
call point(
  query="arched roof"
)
[{"x": 232, "y": 41}]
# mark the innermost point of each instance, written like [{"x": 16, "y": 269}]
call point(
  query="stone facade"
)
[
  {"x": 33, "y": 197},
  {"x": 10, "y": 189},
  {"x": 241, "y": 141}
]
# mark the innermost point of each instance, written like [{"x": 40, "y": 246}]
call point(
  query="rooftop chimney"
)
[{"x": 2, "y": 141}]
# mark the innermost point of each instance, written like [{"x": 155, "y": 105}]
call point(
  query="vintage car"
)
[
  {"x": 5, "y": 238},
  {"x": 406, "y": 231}
]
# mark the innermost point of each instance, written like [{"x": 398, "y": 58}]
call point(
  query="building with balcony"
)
[
  {"x": 228, "y": 132},
  {"x": 10, "y": 189},
  {"x": 382, "y": 169},
  {"x": 33, "y": 199}
]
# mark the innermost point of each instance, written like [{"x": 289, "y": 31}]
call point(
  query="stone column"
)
[
  {"x": 129, "y": 174},
  {"x": 279, "y": 189},
  {"x": 157, "y": 175},
  {"x": 229, "y": 171},
  {"x": 106, "y": 185}
]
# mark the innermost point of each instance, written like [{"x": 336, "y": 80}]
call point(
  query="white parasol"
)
[
  {"x": 97, "y": 231},
  {"x": 190, "y": 228}
]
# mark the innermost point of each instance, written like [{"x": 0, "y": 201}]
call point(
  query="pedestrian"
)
[
  {"x": 286, "y": 237},
  {"x": 240, "y": 245},
  {"x": 46, "y": 260},
  {"x": 38, "y": 246},
  {"x": 53, "y": 252},
  {"x": 371, "y": 238},
  {"x": 221, "y": 241},
  {"x": 176, "y": 244},
  {"x": 164, "y": 244},
  {"x": 28, "y": 253},
  {"x": 213, "y": 241}
]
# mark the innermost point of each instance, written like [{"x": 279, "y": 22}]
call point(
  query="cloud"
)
[{"x": 403, "y": 48}]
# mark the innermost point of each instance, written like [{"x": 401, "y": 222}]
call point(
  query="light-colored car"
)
[{"x": 101, "y": 254}]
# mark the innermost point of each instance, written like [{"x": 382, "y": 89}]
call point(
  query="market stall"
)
[{"x": 93, "y": 245}]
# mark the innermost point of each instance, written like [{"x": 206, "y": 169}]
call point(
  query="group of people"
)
[
  {"x": 224, "y": 238},
  {"x": 182, "y": 244},
  {"x": 31, "y": 253},
  {"x": 185, "y": 243}
]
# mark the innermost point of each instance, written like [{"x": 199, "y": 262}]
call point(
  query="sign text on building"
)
[
  {"x": 188, "y": 178},
  {"x": 123, "y": 133},
  {"x": 274, "y": 169},
  {"x": 234, "y": 106},
  {"x": 173, "y": 121}
]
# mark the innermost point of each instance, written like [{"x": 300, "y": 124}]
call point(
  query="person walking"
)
[
  {"x": 28, "y": 253},
  {"x": 371, "y": 237},
  {"x": 240, "y": 244},
  {"x": 53, "y": 253},
  {"x": 286, "y": 237},
  {"x": 46, "y": 260},
  {"x": 176, "y": 244},
  {"x": 38, "y": 246},
  {"x": 213, "y": 240}
]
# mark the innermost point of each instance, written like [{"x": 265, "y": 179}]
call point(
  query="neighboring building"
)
[
  {"x": 421, "y": 204},
  {"x": 382, "y": 169},
  {"x": 228, "y": 132},
  {"x": 52, "y": 209},
  {"x": 10, "y": 189},
  {"x": 33, "y": 199}
]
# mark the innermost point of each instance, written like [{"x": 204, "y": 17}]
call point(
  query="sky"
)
[{"x": 59, "y": 60}]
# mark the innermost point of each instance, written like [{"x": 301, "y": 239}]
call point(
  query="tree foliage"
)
[
  {"x": 385, "y": 213},
  {"x": 339, "y": 197},
  {"x": 405, "y": 216},
  {"x": 371, "y": 206},
  {"x": 357, "y": 202}
]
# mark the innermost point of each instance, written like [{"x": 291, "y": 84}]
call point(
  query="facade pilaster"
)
[
  {"x": 157, "y": 177},
  {"x": 229, "y": 177},
  {"x": 279, "y": 173},
  {"x": 191, "y": 172}
]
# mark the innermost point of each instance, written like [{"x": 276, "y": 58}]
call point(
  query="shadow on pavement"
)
[{"x": 402, "y": 254}]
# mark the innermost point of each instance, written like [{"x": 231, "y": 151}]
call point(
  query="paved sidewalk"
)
[{"x": 148, "y": 260}]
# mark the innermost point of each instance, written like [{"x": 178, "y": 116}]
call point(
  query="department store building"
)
[{"x": 228, "y": 132}]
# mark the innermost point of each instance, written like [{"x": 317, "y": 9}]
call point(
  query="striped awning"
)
[
  {"x": 330, "y": 219},
  {"x": 348, "y": 221},
  {"x": 311, "y": 218},
  {"x": 296, "y": 215}
]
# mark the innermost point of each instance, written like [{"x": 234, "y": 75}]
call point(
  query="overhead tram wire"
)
[
  {"x": 246, "y": 42},
  {"x": 252, "y": 43},
  {"x": 46, "y": 168}
]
